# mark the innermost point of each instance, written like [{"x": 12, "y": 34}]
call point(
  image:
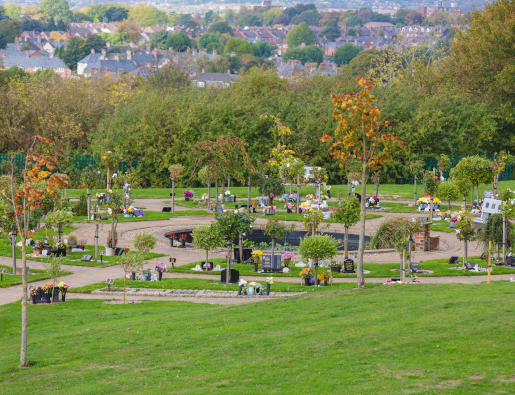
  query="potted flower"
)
[
  {"x": 61, "y": 248},
  {"x": 72, "y": 241},
  {"x": 289, "y": 207},
  {"x": 336, "y": 267},
  {"x": 38, "y": 248},
  {"x": 172, "y": 237},
  {"x": 328, "y": 191},
  {"x": 100, "y": 197},
  {"x": 287, "y": 257},
  {"x": 109, "y": 249},
  {"x": 271, "y": 198},
  {"x": 160, "y": 268},
  {"x": 227, "y": 197},
  {"x": 307, "y": 275},
  {"x": 270, "y": 210},
  {"x": 128, "y": 211},
  {"x": 81, "y": 244},
  {"x": 182, "y": 238},
  {"x": 325, "y": 277},
  {"x": 34, "y": 292},
  {"x": 188, "y": 195},
  {"x": 269, "y": 282},
  {"x": 207, "y": 238},
  {"x": 372, "y": 201},
  {"x": 63, "y": 288},
  {"x": 256, "y": 257}
]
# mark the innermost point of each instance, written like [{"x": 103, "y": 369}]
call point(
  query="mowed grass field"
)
[{"x": 384, "y": 339}]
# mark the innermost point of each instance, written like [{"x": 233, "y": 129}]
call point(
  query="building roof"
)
[
  {"x": 32, "y": 62},
  {"x": 215, "y": 77},
  {"x": 379, "y": 24}
]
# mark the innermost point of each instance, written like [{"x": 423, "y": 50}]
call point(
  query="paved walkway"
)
[{"x": 83, "y": 275}]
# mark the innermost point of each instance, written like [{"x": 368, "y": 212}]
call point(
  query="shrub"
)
[
  {"x": 72, "y": 240},
  {"x": 388, "y": 234},
  {"x": 144, "y": 242},
  {"x": 81, "y": 207},
  {"x": 110, "y": 238}
]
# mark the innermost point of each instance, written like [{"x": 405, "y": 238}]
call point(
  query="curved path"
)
[{"x": 83, "y": 275}]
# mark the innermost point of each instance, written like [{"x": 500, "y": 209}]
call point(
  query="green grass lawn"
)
[
  {"x": 403, "y": 208},
  {"x": 387, "y": 339},
  {"x": 439, "y": 267},
  {"x": 404, "y": 191},
  {"x": 198, "y": 283},
  {"x": 14, "y": 279}
]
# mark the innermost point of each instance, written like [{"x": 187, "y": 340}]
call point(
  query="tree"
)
[
  {"x": 310, "y": 17},
  {"x": 414, "y": 18},
  {"x": 180, "y": 42},
  {"x": 175, "y": 173},
  {"x": 129, "y": 31},
  {"x": 271, "y": 14},
  {"x": 430, "y": 183},
  {"x": 300, "y": 34},
  {"x": 219, "y": 48},
  {"x": 147, "y": 15},
  {"x": 348, "y": 214},
  {"x": 262, "y": 49},
  {"x": 310, "y": 53},
  {"x": 207, "y": 238},
  {"x": 144, "y": 242},
  {"x": 248, "y": 19},
  {"x": 270, "y": 186},
  {"x": 117, "y": 14},
  {"x": 447, "y": 190},
  {"x": 230, "y": 224},
  {"x": 353, "y": 20},
  {"x": 331, "y": 30},
  {"x": 158, "y": 39},
  {"x": 276, "y": 230},
  {"x": 466, "y": 231},
  {"x": 415, "y": 166},
  {"x": 485, "y": 75},
  {"x": 59, "y": 219},
  {"x": 318, "y": 247},
  {"x": 205, "y": 39},
  {"x": 290, "y": 170},
  {"x": 13, "y": 10},
  {"x": 345, "y": 53},
  {"x": 475, "y": 170},
  {"x": 220, "y": 27},
  {"x": 54, "y": 269},
  {"x": 352, "y": 32},
  {"x": 22, "y": 196},
  {"x": 238, "y": 46},
  {"x": 50, "y": 25},
  {"x": 59, "y": 9},
  {"x": 376, "y": 17},
  {"x": 361, "y": 134}
]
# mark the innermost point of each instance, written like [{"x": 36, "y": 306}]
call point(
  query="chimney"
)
[
  {"x": 214, "y": 52},
  {"x": 132, "y": 44},
  {"x": 108, "y": 44},
  {"x": 92, "y": 51},
  {"x": 3, "y": 53},
  {"x": 33, "y": 32},
  {"x": 27, "y": 54},
  {"x": 355, "y": 42},
  {"x": 39, "y": 39},
  {"x": 117, "y": 57},
  {"x": 104, "y": 54},
  {"x": 129, "y": 54},
  {"x": 51, "y": 55},
  {"x": 203, "y": 71},
  {"x": 229, "y": 71},
  {"x": 24, "y": 38}
]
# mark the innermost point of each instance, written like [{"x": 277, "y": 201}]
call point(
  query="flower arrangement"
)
[
  {"x": 34, "y": 290},
  {"x": 427, "y": 199},
  {"x": 227, "y": 193},
  {"x": 289, "y": 206},
  {"x": 172, "y": 236},
  {"x": 306, "y": 273},
  {"x": 256, "y": 256},
  {"x": 272, "y": 196},
  {"x": 372, "y": 201},
  {"x": 100, "y": 195},
  {"x": 63, "y": 287},
  {"x": 188, "y": 194},
  {"x": 328, "y": 188},
  {"x": 310, "y": 196},
  {"x": 183, "y": 236},
  {"x": 271, "y": 207},
  {"x": 161, "y": 267},
  {"x": 323, "y": 197},
  {"x": 128, "y": 210},
  {"x": 62, "y": 245},
  {"x": 269, "y": 280},
  {"x": 324, "y": 276},
  {"x": 204, "y": 197}
]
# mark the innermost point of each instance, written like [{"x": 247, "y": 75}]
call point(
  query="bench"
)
[{"x": 489, "y": 206}]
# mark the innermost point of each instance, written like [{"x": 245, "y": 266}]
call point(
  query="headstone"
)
[
  {"x": 104, "y": 217},
  {"x": 197, "y": 268},
  {"x": 119, "y": 251},
  {"x": 107, "y": 197},
  {"x": 348, "y": 266},
  {"x": 166, "y": 210},
  {"x": 146, "y": 275},
  {"x": 469, "y": 266},
  {"x": 414, "y": 266},
  {"x": 44, "y": 252},
  {"x": 453, "y": 260},
  {"x": 86, "y": 258},
  {"x": 488, "y": 194},
  {"x": 358, "y": 196},
  {"x": 235, "y": 276},
  {"x": 271, "y": 265},
  {"x": 219, "y": 209}
]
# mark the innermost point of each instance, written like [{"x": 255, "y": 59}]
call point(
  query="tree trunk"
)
[
  {"x": 409, "y": 250},
  {"x": 241, "y": 248},
  {"x": 207, "y": 258},
  {"x": 361, "y": 276},
  {"x": 472, "y": 197},
  {"x": 465, "y": 253},
  {"x": 298, "y": 194},
  {"x": 464, "y": 202},
  {"x": 173, "y": 194},
  {"x": 228, "y": 273},
  {"x": 496, "y": 184},
  {"x": 316, "y": 271},
  {"x": 430, "y": 209},
  {"x": 89, "y": 203},
  {"x": 108, "y": 178},
  {"x": 24, "y": 323},
  {"x": 124, "y": 278},
  {"x": 248, "y": 197},
  {"x": 504, "y": 240},
  {"x": 348, "y": 186},
  {"x": 13, "y": 242},
  {"x": 273, "y": 248},
  {"x": 216, "y": 187},
  {"x": 346, "y": 242},
  {"x": 229, "y": 182},
  {"x": 477, "y": 194},
  {"x": 415, "y": 192},
  {"x": 377, "y": 190},
  {"x": 96, "y": 243},
  {"x": 403, "y": 266},
  {"x": 113, "y": 234},
  {"x": 208, "y": 193}
]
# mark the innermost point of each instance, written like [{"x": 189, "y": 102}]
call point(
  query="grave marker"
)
[
  {"x": 172, "y": 261},
  {"x": 348, "y": 266},
  {"x": 86, "y": 258},
  {"x": 2, "y": 272}
]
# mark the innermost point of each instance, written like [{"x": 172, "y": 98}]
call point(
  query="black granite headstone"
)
[
  {"x": 453, "y": 260},
  {"x": 414, "y": 266},
  {"x": 167, "y": 210},
  {"x": 235, "y": 276},
  {"x": 348, "y": 266},
  {"x": 271, "y": 265}
]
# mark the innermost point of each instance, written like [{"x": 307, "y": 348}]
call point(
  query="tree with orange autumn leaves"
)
[
  {"x": 37, "y": 173},
  {"x": 361, "y": 135}
]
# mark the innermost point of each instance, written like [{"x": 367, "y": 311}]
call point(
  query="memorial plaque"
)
[
  {"x": 271, "y": 265},
  {"x": 146, "y": 275},
  {"x": 166, "y": 210},
  {"x": 219, "y": 209},
  {"x": 86, "y": 258},
  {"x": 235, "y": 276},
  {"x": 414, "y": 266},
  {"x": 453, "y": 260},
  {"x": 110, "y": 281},
  {"x": 104, "y": 217},
  {"x": 173, "y": 260},
  {"x": 102, "y": 253},
  {"x": 3, "y": 271},
  {"x": 348, "y": 266}
]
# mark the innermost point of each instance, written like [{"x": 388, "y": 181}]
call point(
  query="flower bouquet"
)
[
  {"x": 373, "y": 201},
  {"x": 256, "y": 256},
  {"x": 325, "y": 277},
  {"x": 63, "y": 288},
  {"x": 289, "y": 207},
  {"x": 307, "y": 275},
  {"x": 182, "y": 239},
  {"x": 287, "y": 257},
  {"x": 161, "y": 267},
  {"x": 188, "y": 195},
  {"x": 269, "y": 210},
  {"x": 172, "y": 236}
]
